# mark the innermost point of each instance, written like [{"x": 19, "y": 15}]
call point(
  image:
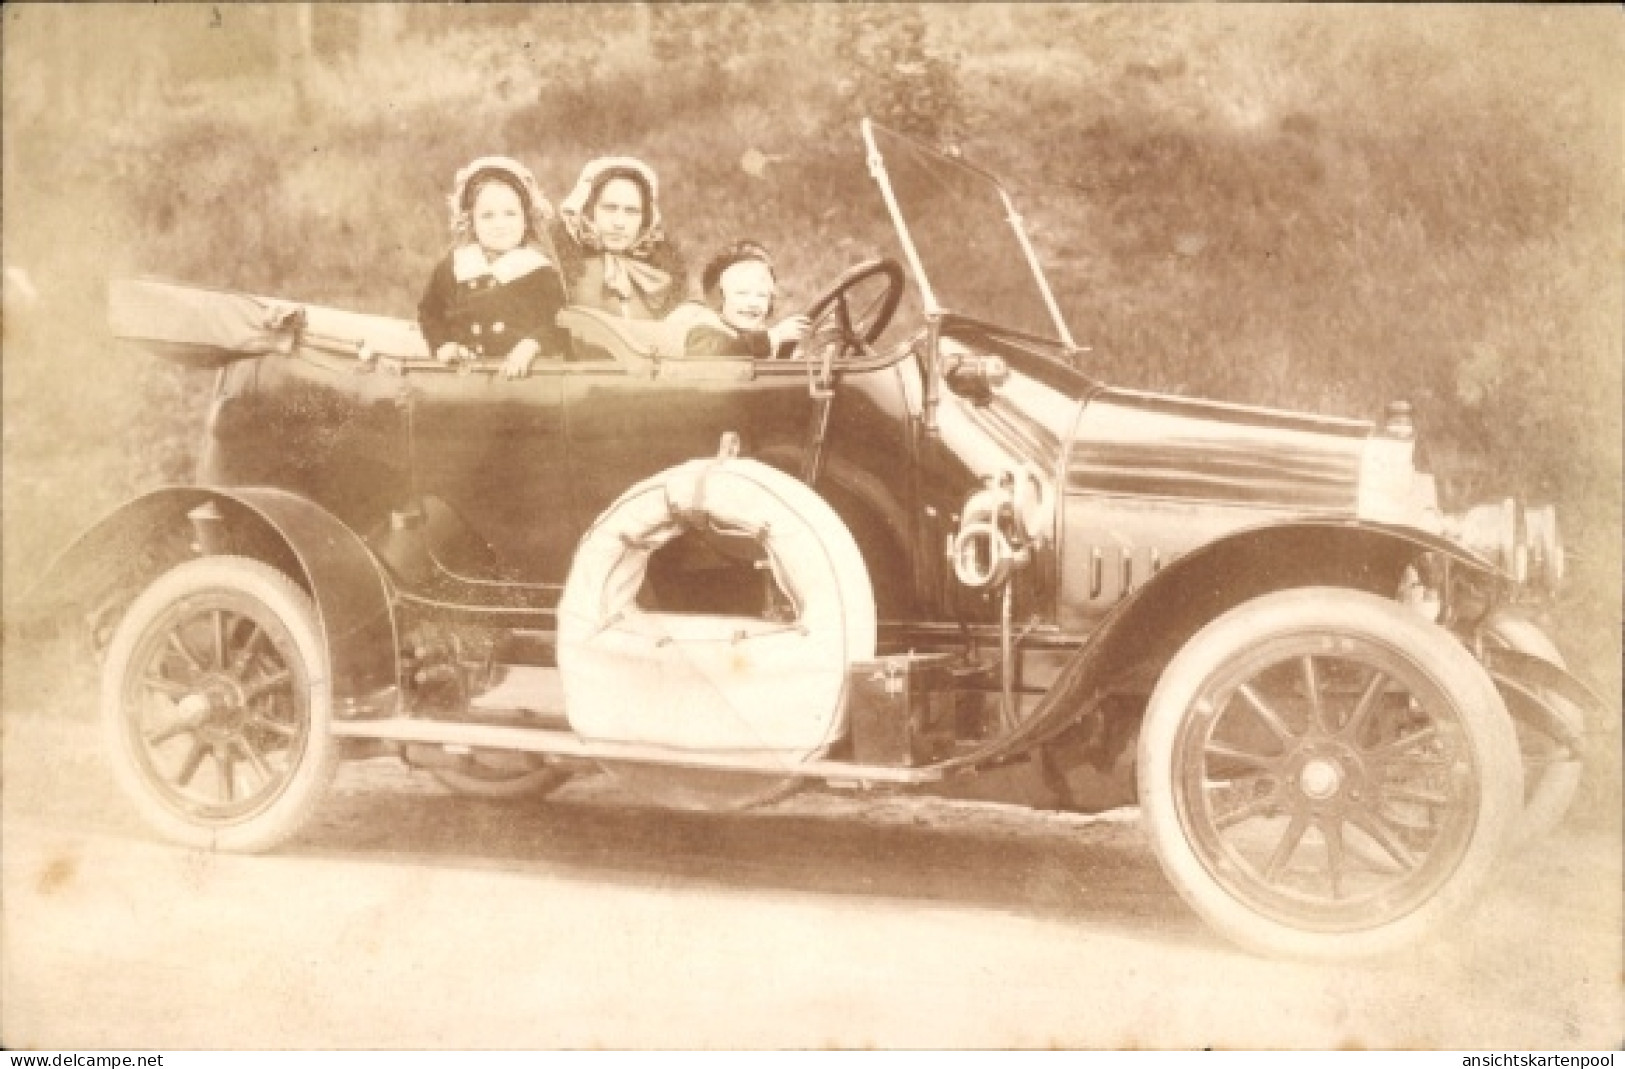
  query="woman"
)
[{"x": 611, "y": 245}]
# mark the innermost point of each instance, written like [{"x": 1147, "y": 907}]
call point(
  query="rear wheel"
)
[
  {"x": 1326, "y": 775},
  {"x": 498, "y": 776},
  {"x": 216, "y": 705}
]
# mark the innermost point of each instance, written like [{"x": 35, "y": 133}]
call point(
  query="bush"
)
[
  {"x": 893, "y": 75},
  {"x": 1315, "y": 209}
]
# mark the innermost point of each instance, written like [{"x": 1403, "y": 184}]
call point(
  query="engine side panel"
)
[{"x": 1150, "y": 478}]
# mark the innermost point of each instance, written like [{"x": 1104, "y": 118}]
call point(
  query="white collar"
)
[{"x": 468, "y": 262}]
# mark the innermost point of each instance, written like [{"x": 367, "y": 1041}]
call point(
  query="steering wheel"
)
[{"x": 835, "y": 332}]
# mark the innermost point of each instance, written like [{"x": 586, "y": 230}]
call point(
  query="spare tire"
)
[{"x": 705, "y": 682}]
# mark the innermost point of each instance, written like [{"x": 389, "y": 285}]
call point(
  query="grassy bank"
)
[{"x": 1319, "y": 208}]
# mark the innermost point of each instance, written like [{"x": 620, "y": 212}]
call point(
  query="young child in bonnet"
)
[
  {"x": 740, "y": 290},
  {"x": 496, "y": 294}
]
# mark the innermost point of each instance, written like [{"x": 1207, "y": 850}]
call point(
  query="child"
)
[
  {"x": 495, "y": 294},
  {"x": 739, "y": 294}
]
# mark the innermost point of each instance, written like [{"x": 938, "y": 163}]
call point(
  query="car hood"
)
[{"x": 1175, "y": 448}]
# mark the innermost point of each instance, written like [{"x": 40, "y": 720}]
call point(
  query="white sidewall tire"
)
[
  {"x": 1426, "y": 649},
  {"x": 675, "y": 680},
  {"x": 287, "y": 608}
]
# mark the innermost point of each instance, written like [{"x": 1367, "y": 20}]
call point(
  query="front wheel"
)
[
  {"x": 216, "y": 705},
  {"x": 1326, "y": 775}
]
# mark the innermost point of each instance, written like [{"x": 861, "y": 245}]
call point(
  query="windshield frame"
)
[{"x": 933, "y": 309}]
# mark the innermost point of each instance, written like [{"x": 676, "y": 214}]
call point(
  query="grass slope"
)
[{"x": 1322, "y": 208}]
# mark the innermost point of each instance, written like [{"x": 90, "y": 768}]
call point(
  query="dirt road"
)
[{"x": 406, "y": 917}]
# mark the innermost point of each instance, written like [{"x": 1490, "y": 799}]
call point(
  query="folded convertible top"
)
[{"x": 203, "y": 327}]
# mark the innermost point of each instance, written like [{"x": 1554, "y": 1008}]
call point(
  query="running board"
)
[{"x": 568, "y": 744}]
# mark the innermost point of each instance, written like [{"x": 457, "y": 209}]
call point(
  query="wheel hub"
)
[
  {"x": 219, "y": 704},
  {"x": 1320, "y": 778}
]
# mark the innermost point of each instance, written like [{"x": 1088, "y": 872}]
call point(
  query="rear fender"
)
[{"x": 144, "y": 538}]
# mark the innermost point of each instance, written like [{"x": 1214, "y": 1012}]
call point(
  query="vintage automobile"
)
[{"x": 938, "y": 558}]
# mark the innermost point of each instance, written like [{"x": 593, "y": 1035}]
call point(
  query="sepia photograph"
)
[{"x": 812, "y": 526}]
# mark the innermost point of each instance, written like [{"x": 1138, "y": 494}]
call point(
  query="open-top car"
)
[{"x": 952, "y": 561}]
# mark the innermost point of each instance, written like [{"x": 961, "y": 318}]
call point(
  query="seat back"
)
[
  {"x": 652, "y": 347},
  {"x": 627, "y": 340}
]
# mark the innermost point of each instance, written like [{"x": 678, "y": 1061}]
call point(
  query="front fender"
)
[
  {"x": 147, "y": 536},
  {"x": 1127, "y": 650},
  {"x": 1539, "y": 680}
]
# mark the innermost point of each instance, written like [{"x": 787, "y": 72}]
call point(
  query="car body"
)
[{"x": 950, "y": 562}]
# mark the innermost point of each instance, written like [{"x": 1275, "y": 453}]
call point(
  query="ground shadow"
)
[{"x": 1101, "y": 874}]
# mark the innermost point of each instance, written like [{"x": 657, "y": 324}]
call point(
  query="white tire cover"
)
[{"x": 715, "y": 683}]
